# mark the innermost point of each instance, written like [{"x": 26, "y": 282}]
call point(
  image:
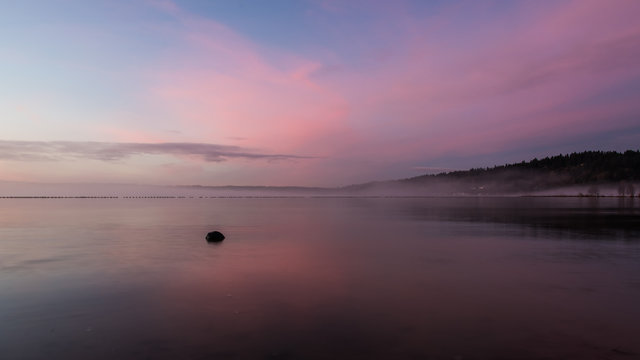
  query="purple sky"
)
[{"x": 309, "y": 92}]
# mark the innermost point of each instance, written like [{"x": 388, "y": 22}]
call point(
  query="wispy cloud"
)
[{"x": 112, "y": 151}]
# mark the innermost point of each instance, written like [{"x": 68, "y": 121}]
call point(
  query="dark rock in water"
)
[{"x": 215, "y": 236}]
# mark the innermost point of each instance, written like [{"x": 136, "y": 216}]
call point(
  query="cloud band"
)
[{"x": 113, "y": 151}]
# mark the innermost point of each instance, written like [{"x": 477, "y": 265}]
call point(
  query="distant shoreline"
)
[{"x": 325, "y": 197}]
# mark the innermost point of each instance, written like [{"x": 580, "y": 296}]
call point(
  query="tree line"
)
[{"x": 588, "y": 167}]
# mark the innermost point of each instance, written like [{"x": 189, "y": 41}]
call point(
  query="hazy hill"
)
[{"x": 589, "y": 173}]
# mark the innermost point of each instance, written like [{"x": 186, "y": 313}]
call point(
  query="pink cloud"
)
[
  {"x": 394, "y": 88},
  {"x": 225, "y": 86},
  {"x": 427, "y": 98},
  {"x": 522, "y": 79}
]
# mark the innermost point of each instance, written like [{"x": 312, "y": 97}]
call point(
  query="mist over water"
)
[
  {"x": 378, "y": 189},
  {"x": 314, "y": 278}
]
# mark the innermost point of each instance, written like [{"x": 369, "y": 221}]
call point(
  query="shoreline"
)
[{"x": 312, "y": 196}]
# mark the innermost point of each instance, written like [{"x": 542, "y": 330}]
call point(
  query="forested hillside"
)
[
  {"x": 589, "y": 167},
  {"x": 588, "y": 171}
]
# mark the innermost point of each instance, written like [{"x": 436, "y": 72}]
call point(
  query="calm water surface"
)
[{"x": 312, "y": 278}]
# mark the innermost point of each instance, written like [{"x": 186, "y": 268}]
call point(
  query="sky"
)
[{"x": 309, "y": 93}]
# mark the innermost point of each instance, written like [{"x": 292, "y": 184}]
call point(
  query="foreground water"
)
[{"x": 311, "y": 278}]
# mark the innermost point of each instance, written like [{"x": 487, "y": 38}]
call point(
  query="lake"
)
[{"x": 320, "y": 278}]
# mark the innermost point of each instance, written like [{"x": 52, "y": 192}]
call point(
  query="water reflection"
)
[
  {"x": 579, "y": 218},
  {"x": 319, "y": 279}
]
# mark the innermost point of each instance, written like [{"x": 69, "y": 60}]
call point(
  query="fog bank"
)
[{"x": 433, "y": 187}]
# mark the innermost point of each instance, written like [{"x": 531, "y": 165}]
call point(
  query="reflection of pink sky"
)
[
  {"x": 306, "y": 274},
  {"x": 465, "y": 81},
  {"x": 245, "y": 270}
]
